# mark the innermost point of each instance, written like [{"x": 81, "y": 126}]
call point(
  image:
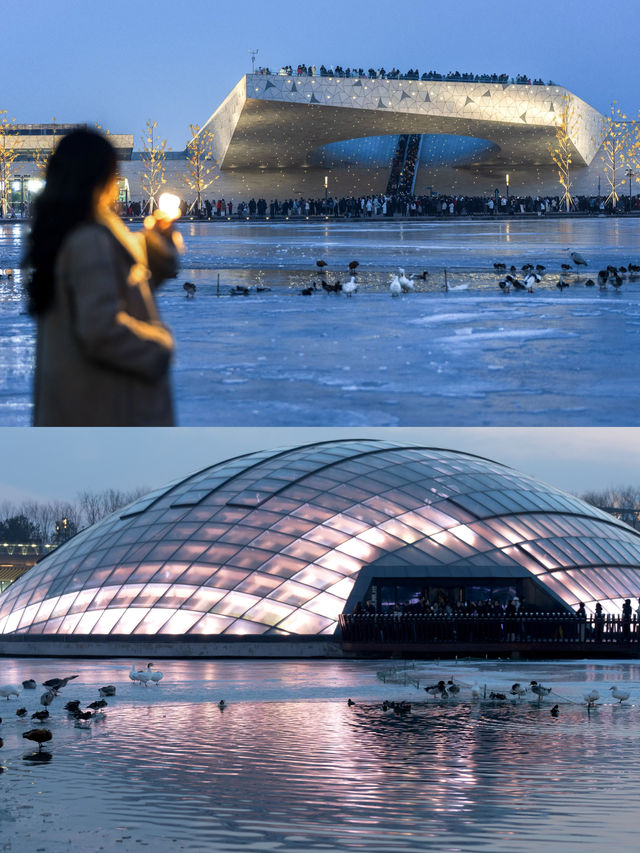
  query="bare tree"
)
[
  {"x": 8, "y": 153},
  {"x": 154, "y": 155},
  {"x": 202, "y": 164},
  {"x": 619, "y": 145},
  {"x": 561, "y": 149}
]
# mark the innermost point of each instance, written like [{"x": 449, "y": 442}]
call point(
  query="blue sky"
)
[
  {"x": 118, "y": 62},
  {"x": 57, "y": 463}
]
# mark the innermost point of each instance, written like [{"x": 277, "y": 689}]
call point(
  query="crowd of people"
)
[
  {"x": 381, "y": 73},
  {"x": 390, "y": 205},
  {"x": 512, "y": 620}
]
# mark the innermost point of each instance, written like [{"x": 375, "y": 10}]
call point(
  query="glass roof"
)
[{"x": 272, "y": 542}]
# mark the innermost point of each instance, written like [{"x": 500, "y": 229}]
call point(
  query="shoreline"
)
[{"x": 369, "y": 220}]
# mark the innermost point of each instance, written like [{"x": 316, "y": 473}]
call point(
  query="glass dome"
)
[{"x": 274, "y": 541}]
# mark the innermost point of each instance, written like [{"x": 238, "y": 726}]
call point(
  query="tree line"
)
[{"x": 53, "y": 522}]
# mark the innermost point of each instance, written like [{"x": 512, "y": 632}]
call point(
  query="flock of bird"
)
[
  {"x": 527, "y": 278},
  {"x": 532, "y": 276},
  {"x": 93, "y": 711},
  {"x": 446, "y": 690}
]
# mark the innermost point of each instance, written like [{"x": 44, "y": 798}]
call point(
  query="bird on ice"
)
[
  {"x": 622, "y": 695},
  {"x": 577, "y": 259},
  {"x": 591, "y": 697},
  {"x": 395, "y": 287},
  {"x": 405, "y": 283},
  {"x": 58, "y": 683},
  {"x": 39, "y": 736},
  {"x": 539, "y": 690},
  {"x": 350, "y": 287},
  {"x": 154, "y": 676}
]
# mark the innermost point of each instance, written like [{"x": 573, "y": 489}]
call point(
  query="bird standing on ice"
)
[
  {"x": 395, "y": 288},
  {"x": 350, "y": 287},
  {"x": 622, "y": 695},
  {"x": 154, "y": 676},
  {"x": 405, "y": 283},
  {"x": 591, "y": 698}
]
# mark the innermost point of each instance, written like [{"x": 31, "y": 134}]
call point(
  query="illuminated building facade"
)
[
  {"x": 278, "y": 136},
  {"x": 284, "y": 541}
]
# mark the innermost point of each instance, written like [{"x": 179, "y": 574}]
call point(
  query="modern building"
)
[
  {"x": 281, "y": 542},
  {"x": 282, "y": 136},
  {"x": 380, "y": 135}
]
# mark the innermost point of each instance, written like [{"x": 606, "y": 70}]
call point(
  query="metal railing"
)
[{"x": 525, "y": 628}]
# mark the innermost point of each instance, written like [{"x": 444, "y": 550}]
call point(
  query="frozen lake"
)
[
  {"x": 288, "y": 766},
  {"x": 470, "y": 357}
]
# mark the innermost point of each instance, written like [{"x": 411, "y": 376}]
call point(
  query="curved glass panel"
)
[{"x": 274, "y": 542}]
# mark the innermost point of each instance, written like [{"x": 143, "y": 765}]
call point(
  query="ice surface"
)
[{"x": 474, "y": 357}]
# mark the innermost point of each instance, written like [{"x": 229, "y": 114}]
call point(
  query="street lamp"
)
[
  {"x": 630, "y": 174},
  {"x": 326, "y": 190},
  {"x": 507, "y": 187}
]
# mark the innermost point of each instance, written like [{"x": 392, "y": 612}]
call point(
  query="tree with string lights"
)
[
  {"x": 8, "y": 153},
  {"x": 561, "y": 150},
  {"x": 201, "y": 162},
  {"x": 154, "y": 155},
  {"x": 620, "y": 146}
]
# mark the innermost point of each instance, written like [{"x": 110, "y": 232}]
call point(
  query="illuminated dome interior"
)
[{"x": 274, "y": 543}]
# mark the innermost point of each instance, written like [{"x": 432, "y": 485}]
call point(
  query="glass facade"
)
[{"x": 273, "y": 543}]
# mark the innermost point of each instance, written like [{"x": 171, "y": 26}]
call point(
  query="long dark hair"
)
[{"x": 83, "y": 162}]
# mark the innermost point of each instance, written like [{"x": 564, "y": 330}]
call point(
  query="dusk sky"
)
[
  {"x": 57, "y": 463},
  {"x": 119, "y": 62}
]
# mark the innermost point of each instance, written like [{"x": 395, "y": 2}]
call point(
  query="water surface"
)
[{"x": 289, "y": 766}]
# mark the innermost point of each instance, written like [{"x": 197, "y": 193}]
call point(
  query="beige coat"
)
[{"x": 103, "y": 355}]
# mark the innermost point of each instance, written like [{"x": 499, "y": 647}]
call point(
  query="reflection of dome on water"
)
[{"x": 281, "y": 542}]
